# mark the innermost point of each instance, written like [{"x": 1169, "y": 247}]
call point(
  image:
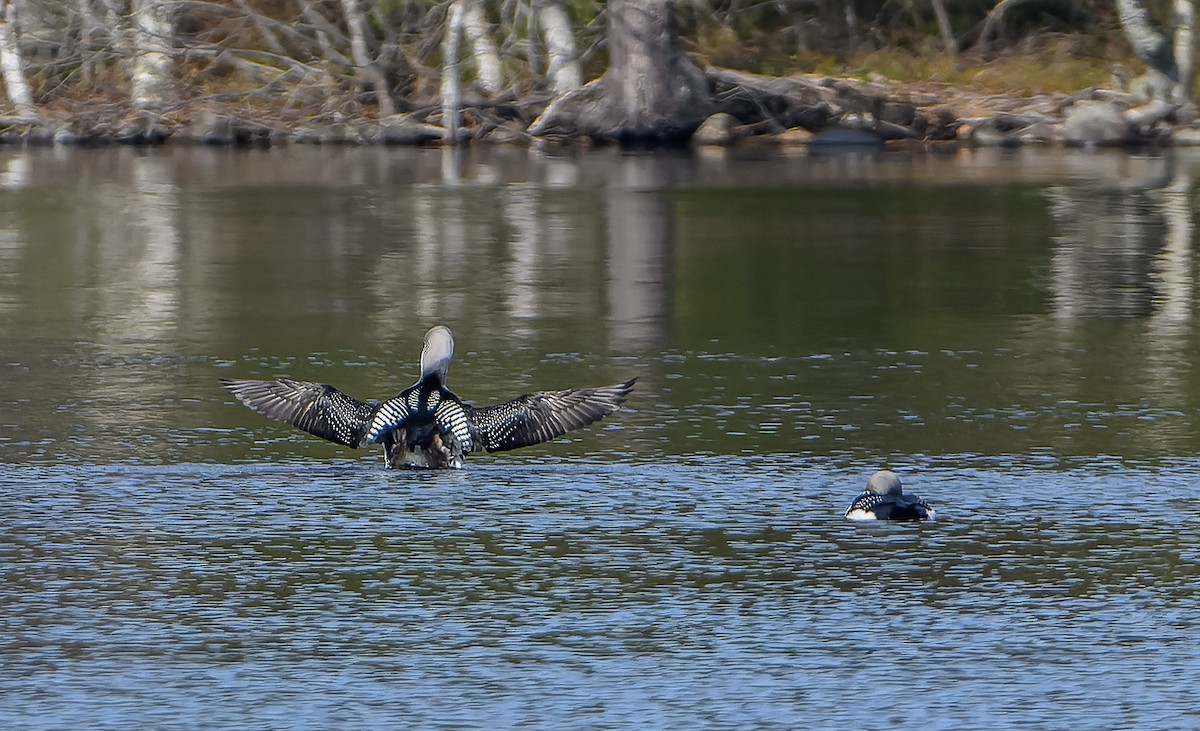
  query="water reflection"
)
[
  {"x": 1122, "y": 249},
  {"x": 806, "y": 305},
  {"x": 641, "y": 234}
]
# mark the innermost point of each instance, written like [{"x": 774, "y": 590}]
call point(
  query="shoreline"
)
[{"x": 792, "y": 110}]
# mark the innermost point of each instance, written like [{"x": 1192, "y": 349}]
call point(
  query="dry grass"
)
[
  {"x": 1051, "y": 66},
  {"x": 1039, "y": 65}
]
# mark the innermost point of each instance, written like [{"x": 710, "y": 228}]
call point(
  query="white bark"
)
[
  {"x": 10, "y": 63},
  {"x": 1185, "y": 22},
  {"x": 1149, "y": 43},
  {"x": 153, "y": 39},
  {"x": 355, "y": 21},
  {"x": 489, "y": 71},
  {"x": 451, "y": 91},
  {"x": 564, "y": 73},
  {"x": 943, "y": 20}
]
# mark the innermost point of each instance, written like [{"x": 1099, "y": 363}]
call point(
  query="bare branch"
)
[{"x": 355, "y": 21}]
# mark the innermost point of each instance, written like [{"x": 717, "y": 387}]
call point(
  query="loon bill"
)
[{"x": 426, "y": 425}]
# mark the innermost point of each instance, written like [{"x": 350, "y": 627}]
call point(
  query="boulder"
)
[
  {"x": 210, "y": 128},
  {"x": 794, "y": 136},
  {"x": 719, "y": 129},
  {"x": 1097, "y": 123}
]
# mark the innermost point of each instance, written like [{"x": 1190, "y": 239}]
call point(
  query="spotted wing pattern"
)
[
  {"x": 891, "y": 507},
  {"x": 317, "y": 408},
  {"x": 869, "y": 502},
  {"x": 540, "y": 417}
]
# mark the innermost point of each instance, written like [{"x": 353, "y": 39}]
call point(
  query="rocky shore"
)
[{"x": 792, "y": 110}]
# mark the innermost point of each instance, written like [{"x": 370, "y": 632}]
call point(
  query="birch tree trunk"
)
[
  {"x": 947, "y": 32},
  {"x": 355, "y": 22},
  {"x": 564, "y": 72},
  {"x": 10, "y": 63},
  {"x": 1185, "y": 44},
  {"x": 451, "y": 89},
  {"x": 489, "y": 71},
  {"x": 651, "y": 93},
  {"x": 1150, "y": 44},
  {"x": 153, "y": 39}
]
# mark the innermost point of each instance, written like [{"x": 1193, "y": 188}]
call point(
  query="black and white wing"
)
[
  {"x": 317, "y": 408},
  {"x": 868, "y": 504},
  {"x": 539, "y": 417},
  {"x": 390, "y": 415}
]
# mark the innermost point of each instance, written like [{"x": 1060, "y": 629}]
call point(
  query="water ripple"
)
[{"x": 707, "y": 592}]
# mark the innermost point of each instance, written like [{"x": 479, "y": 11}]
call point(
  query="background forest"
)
[{"x": 305, "y": 59}]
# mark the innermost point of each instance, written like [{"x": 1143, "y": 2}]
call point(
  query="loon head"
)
[
  {"x": 884, "y": 482},
  {"x": 436, "y": 355}
]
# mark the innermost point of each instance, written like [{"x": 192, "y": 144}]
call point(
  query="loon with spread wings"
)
[{"x": 426, "y": 425}]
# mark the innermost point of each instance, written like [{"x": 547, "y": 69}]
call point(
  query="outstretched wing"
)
[
  {"x": 317, "y": 408},
  {"x": 539, "y": 417}
]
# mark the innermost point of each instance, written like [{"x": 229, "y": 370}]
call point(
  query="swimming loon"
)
[
  {"x": 426, "y": 425},
  {"x": 885, "y": 500}
]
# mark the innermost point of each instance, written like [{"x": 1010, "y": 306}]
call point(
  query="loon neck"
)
[
  {"x": 437, "y": 353},
  {"x": 431, "y": 381}
]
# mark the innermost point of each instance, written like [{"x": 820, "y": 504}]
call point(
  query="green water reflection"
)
[{"x": 865, "y": 308}]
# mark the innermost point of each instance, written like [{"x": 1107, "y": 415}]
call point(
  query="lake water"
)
[{"x": 1014, "y": 333}]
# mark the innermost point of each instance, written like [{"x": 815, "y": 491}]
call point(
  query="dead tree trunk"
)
[
  {"x": 355, "y": 22},
  {"x": 652, "y": 93},
  {"x": 154, "y": 37}
]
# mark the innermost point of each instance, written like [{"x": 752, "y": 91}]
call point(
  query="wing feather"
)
[
  {"x": 867, "y": 502},
  {"x": 317, "y": 408},
  {"x": 539, "y": 417}
]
